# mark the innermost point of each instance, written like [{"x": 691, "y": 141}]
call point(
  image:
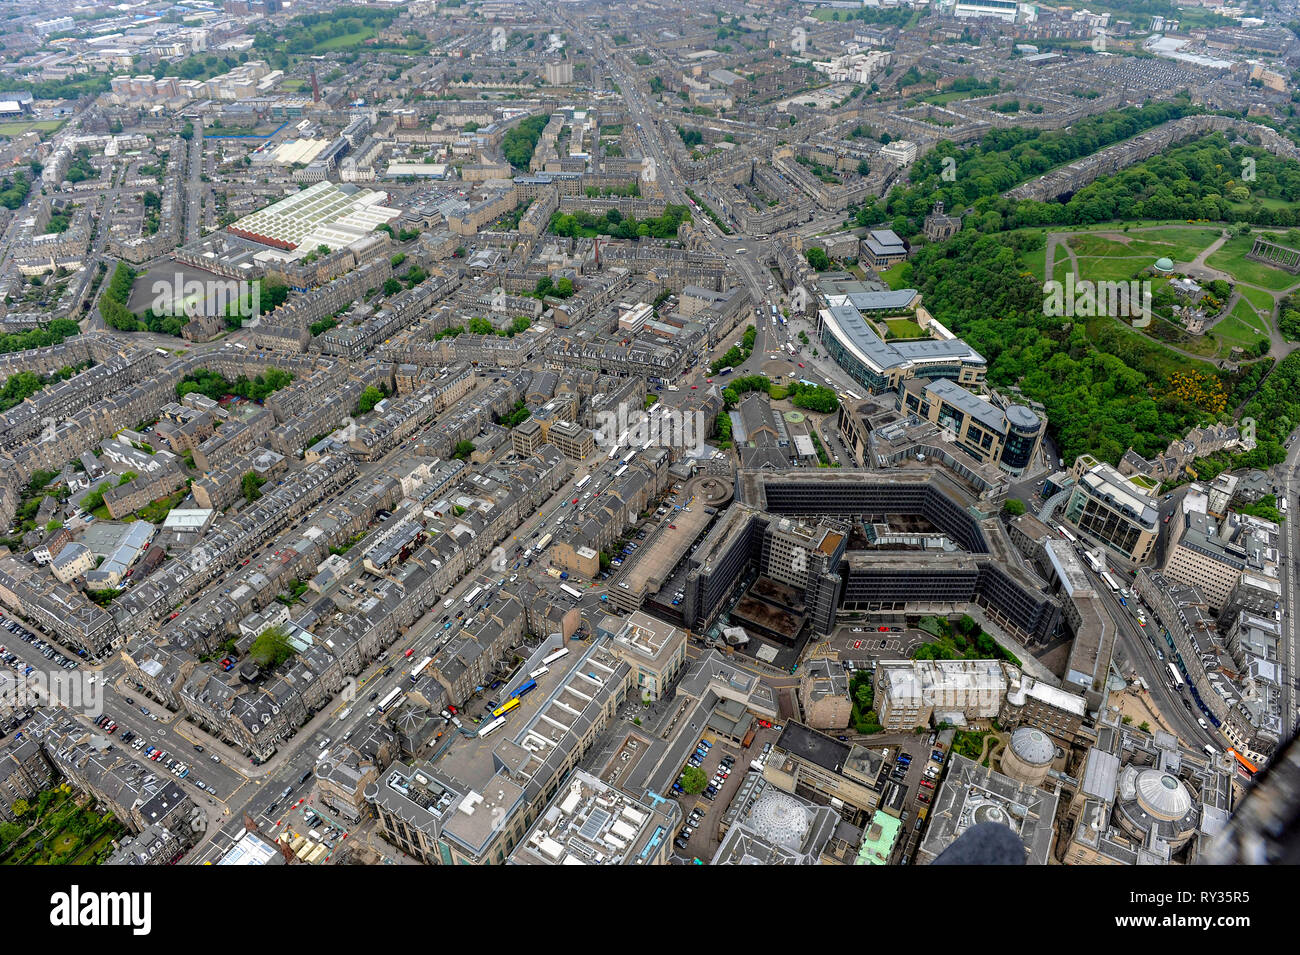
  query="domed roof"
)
[
  {"x": 780, "y": 818},
  {"x": 992, "y": 812},
  {"x": 1021, "y": 417},
  {"x": 1033, "y": 746},
  {"x": 1165, "y": 264},
  {"x": 1162, "y": 795}
]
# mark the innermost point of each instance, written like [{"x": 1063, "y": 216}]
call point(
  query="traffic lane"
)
[{"x": 1142, "y": 653}]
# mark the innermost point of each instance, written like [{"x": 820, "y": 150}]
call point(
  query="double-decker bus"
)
[{"x": 391, "y": 699}]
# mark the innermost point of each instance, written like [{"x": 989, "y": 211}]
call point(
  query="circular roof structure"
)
[
  {"x": 1021, "y": 417},
  {"x": 794, "y": 417},
  {"x": 1164, "y": 264},
  {"x": 992, "y": 812},
  {"x": 1033, "y": 746},
  {"x": 1162, "y": 795},
  {"x": 780, "y": 818}
]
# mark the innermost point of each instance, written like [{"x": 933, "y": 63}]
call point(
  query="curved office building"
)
[
  {"x": 881, "y": 366},
  {"x": 1024, "y": 431}
]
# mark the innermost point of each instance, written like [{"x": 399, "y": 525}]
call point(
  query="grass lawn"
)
[
  {"x": 40, "y": 126},
  {"x": 1035, "y": 262},
  {"x": 1243, "y": 327},
  {"x": 904, "y": 328},
  {"x": 345, "y": 41},
  {"x": 897, "y": 276},
  {"x": 1231, "y": 258},
  {"x": 1259, "y": 298}
]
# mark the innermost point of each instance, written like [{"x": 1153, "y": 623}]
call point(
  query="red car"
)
[
  {"x": 923, "y": 797},
  {"x": 574, "y": 501},
  {"x": 409, "y": 651},
  {"x": 694, "y": 387},
  {"x": 927, "y": 784},
  {"x": 672, "y": 527},
  {"x": 800, "y": 364}
]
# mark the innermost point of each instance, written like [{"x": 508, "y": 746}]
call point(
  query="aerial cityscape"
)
[{"x": 648, "y": 432}]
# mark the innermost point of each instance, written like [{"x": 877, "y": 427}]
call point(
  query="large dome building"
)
[
  {"x": 1152, "y": 800},
  {"x": 1028, "y": 756}
]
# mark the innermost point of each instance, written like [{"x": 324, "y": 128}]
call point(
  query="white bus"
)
[
  {"x": 539, "y": 671},
  {"x": 583, "y": 483},
  {"x": 613, "y": 452},
  {"x": 1175, "y": 677},
  {"x": 1093, "y": 562},
  {"x": 473, "y": 595},
  {"x": 389, "y": 700},
  {"x": 558, "y": 654},
  {"x": 572, "y": 592},
  {"x": 1067, "y": 535},
  {"x": 542, "y": 542},
  {"x": 853, "y": 395},
  {"x": 492, "y": 727},
  {"x": 1110, "y": 582},
  {"x": 419, "y": 668}
]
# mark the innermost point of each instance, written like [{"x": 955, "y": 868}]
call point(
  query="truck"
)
[{"x": 552, "y": 571}]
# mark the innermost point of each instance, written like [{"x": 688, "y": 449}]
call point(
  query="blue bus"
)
[{"x": 526, "y": 688}]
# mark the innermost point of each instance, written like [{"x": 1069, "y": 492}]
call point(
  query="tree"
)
[
  {"x": 463, "y": 450},
  {"x": 693, "y": 780},
  {"x": 391, "y": 286},
  {"x": 271, "y": 649},
  {"x": 252, "y": 486},
  {"x": 1013, "y": 506},
  {"x": 369, "y": 398},
  {"x": 818, "y": 259}
]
